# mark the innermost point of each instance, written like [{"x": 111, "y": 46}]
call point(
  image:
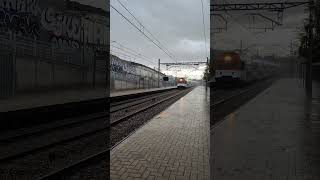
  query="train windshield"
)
[{"x": 227, "y": 62}]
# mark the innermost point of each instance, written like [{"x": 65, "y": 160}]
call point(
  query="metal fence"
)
[
  {"x": 133, "y": 81},
  {"x": 83, "y": 58},
  {"x": 26, "y": 46},
  {"x": 7, "y": 75}
]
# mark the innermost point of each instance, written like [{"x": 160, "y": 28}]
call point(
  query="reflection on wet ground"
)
[{"x": 274, "y": 136}]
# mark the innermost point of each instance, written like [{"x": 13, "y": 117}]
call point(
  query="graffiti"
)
[
  {"x": 61, "y": 25},
  {"x": 24, "y": 23},
  {"x": 64, "y": 28},
  {"x": 121, "y": 66},
  {"x": 125, "y": 70},
  {"x": 21, "y": 6},
  {"x": 60, "y": 42},
  {"x": 20, "y": 16},
  {"x": 71, "y": 30}
]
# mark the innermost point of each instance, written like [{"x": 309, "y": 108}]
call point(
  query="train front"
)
[
  {"x": 227, "y": 67},
  {"x": 181, "y": 82}
]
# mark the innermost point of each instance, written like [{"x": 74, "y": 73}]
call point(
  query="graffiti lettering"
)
[
  {"x": 22, "y": 6},
  {"x": 61, "y": 25},
  {"x": 64, "y": 29},
  {"x": 64, "y": 43},
  {"x": 121, "y": 66},
  {"x": 24, "y": 23}
]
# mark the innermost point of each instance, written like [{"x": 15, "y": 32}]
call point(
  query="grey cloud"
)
[{"x": 172, "y": 22}]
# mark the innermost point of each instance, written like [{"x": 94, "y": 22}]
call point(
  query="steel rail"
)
[
  {"x": 59, "y": 173},
  {"x": 23, "y": 132}
]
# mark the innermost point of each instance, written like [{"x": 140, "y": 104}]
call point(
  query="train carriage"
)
[
  {"x": 228, "y": 68},
  {"x": 231, "y": 69}
]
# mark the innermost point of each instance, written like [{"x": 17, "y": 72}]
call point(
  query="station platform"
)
[
  {"x": 273, "y": 136},
  {"x": 34, "y": 100},
  {"x": 172, "y": 145}
]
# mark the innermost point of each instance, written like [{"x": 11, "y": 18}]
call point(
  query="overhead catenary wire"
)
[
  {"x": 243, "y": 27},
  {"x": 129, "y": 49},
  {"x": 123, "y": 55},
  {"x": 129, "y": 56},
  {"x": 144, "y": 27},
  {"x": 142, "y": 33},
  {"x": 120, "y": 54},
  {"x": 134, "y": 54}
]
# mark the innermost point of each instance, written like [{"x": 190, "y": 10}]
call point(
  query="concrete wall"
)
[
  {"x": 128, "y": 75},
  {"x": 53, "y": 46},
  {"x": 56, "y": 21},
  {"x": 33, "y": 74},
  {"x": 316, "y": 72}
]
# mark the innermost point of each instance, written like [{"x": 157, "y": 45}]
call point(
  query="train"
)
[
  {"x": 231, "y": 68},
  {"x": 182, "y": 83}
]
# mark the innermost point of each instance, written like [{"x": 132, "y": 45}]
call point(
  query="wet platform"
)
[
  {"x": 173, "y": 145},
  {"x": 274, "y": 136},
  {"x": 34, "y": 100}
]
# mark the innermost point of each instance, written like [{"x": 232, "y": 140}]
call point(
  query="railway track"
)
[
  {"x": 60, "y": 173},
  {"x": 123, "y": 104},
  {"x": 154, "y": 101},
  {"x": 114, "y": 107},
  {"x": 142, "y": 104}
]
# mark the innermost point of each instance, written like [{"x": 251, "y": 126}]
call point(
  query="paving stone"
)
[{"x": 171, "y": 144}]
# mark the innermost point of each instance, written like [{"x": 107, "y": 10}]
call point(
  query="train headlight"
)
[
  {"x": 180, "y": 79},
  {"x": 227, "y": 58}
]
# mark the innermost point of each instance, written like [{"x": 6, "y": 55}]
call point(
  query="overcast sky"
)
[{"x": 176, "y": 24}]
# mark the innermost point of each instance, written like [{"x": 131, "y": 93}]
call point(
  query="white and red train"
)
[
  {"x": 182, "y": 83},
  {"x": 231, "y": 68}
]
